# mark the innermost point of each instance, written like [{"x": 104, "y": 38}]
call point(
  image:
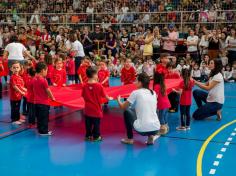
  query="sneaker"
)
[
  {"x": 219, "y": 115},
  {"x": 46, "y": 134},
  {"x": 90, "y": 138},
  {"x": 152, "y": 139},
  {"x": 127, "y": 141},
  {"x": 22, "y": 120},
  {"x": 188, "y": 128},
  {"x": 16, "y": 123},
  {"x": 181, "y": 128},
  {"x": 97, "y": 139}
]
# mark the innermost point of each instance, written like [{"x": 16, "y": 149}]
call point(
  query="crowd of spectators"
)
[{"x": 117, "y": 11}]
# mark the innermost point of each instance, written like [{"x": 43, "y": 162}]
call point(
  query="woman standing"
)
[
  {"x": 142, "y": 115},
  {"x": 214, "y": 45},
  {"x": 156, "y": 44},
  {"x": 214, "y": 99},
  {"x": 231, "y": 46},
  {"x": 148, "y": 49}
]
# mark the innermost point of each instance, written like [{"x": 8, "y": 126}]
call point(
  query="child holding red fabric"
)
[
  {"x": 17, "y": 90},
  {"x": 59, "y": 74},
  {"x": 30, "y": 98},
  {"x": 93, "y": 93},
  {"x": 42, "y": 93},
  {"x": 164, "y": 60},
  {"x": 185, "y": 91},
  {"x": 128, "y": 73},
  {"x": 163, "y": 103},
  {"x": 103, "y": 74},
  {"x": 71, "y": 68},
  {"x": 82, "y": 70}
]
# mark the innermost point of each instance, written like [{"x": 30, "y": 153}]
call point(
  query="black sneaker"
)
[
  {"x": 99, "y": 139},
  {"x": 90, "y": 138},
  {"x": 46, "y": 134}
]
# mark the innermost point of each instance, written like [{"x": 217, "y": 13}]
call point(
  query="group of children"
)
[{"x": 32, "y": 81}]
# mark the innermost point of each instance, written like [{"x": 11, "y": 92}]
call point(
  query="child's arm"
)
[
  {"x": 178, "y": 91},
  {"x": 16, "y": 88},
  {"x": 50, "y": 95},
  {"x": 81, "y": 80},
  {"x": 105, "y": 80}
]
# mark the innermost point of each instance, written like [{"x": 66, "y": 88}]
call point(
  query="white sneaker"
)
[
  {"x": 16, "y": 123},
  {"x": 22, "y": 120},
  {"x": 46, "y": 134}
]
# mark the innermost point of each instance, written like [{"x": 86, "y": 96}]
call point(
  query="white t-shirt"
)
[
  {"x": 15, "y": 51},
  {"x": 145, "y": 105},
  {"x": 216, "y": 94},
  {"x": 192, "y": 39},
  {"x": 78, "y": 47}
]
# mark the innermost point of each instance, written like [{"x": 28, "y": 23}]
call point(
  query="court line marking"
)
[{"x": 205, "y": 144}]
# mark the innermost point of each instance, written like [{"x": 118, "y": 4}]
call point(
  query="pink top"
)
[
  {"x": 186, "y": 96},
  {"x": 170, "y": 45},
  {"x": 162, "y": 101}
]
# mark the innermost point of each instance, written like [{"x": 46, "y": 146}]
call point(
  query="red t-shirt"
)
[
  {"x": 186, "y": 96},
  {"x": 93, "y": 94},
  {"x": 82, "y": 72},
  {"x": 30, "y": 92},
  {"x": 128, "y": 76},
  {"x": 50, "y": 71},
  {"x": 40, "y": 85},
  {"x": 71, "y": 67},
  {"x": 16, "y": 80},
  {"x": 25, "y": 77},
  {"x": 58, "y": 77},
  {"x": 5, "y": 66},
  {"x": 162, "y": 101},
  {"x": 1, "y": 71},
  {"x": 102, "y": 75}
]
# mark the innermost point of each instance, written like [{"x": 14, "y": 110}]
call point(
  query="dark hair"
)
[
  {"x": 48, "y": 59},
  {"x": 15, "y": 62},
  {"x": 31, "y": 72},
  {"x": 186, "y": 74},
  {"x": 14, "y": 38},
  {"x": 170, "y": 65},
  {"x": 228, "y": 65},
  {"x": 91, "y": 71},
  {"x": 218, "y": 67},
  {"x": 40, "y": 66},
  {"x": 72, "y": 37},
  {"x": 159, "y": 79},
  {"x": 145, "y": 80},
  {"x": 164, "y": 55}
]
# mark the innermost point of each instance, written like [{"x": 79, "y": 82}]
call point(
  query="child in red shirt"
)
[
  {"x": 42, "y": 93},
  {"x": 163, "y": 103},
  {"x": 186, "y": 87},
  {"x": 82, "y": 70},
  {"x": 30, "y": 98},
  {"x": 71, "y": 68},
  {"x": 17, "y": 90},
  {"x": 59, "y": 74},
  {"x": 93, "y": 93},
  {"x": 128, "y": 73},
  {"x": 103, "y": 74}
]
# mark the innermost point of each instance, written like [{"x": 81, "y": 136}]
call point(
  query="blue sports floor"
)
[{"x": 209, "y": 148}]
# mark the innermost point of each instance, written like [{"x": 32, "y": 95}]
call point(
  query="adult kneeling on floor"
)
[
  {"x": 214, "y": 98},
  {"x": 140, "y": 112}
]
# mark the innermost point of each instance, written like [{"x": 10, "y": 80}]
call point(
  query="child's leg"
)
[
  {"x": 161, "y": 117},
  {"x": 182, "y": 115},
  {"x": 31, "y": 115},
  {"x": 88, "y": 126},
  {"x": 129, "y": 117},
  {"x": 5, "y": 78},
  {"x": 0, "y": 88},
  {"x": 188, "y": 117},
  {"x": 15, "y": 110},
  {"x": 42, "y": 113},
  {"x": 96, "y": 127},
  {"x": 25, "y": 108}
]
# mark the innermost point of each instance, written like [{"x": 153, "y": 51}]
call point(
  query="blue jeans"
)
[
  {"x": 163, "y": 116},
  {"x": 208, "y": 109}
]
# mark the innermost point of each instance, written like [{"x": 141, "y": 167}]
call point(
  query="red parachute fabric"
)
[{"x": 71, "y": 96}]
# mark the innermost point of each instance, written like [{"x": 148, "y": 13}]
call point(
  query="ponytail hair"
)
[
  {"x": 159, "y": 79},
  {"x": 145, "y": 80},
  {"x": 186, "y": 74}
]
